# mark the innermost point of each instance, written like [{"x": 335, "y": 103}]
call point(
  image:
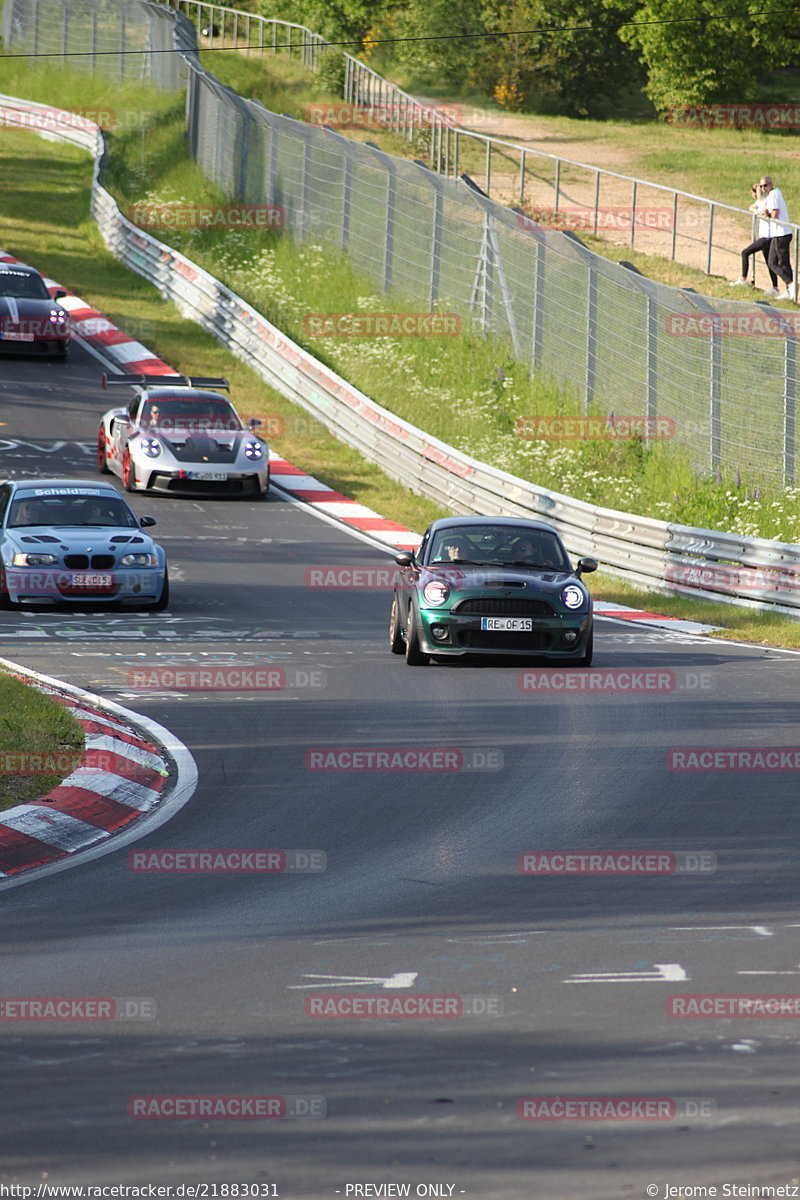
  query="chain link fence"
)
[
  {"x": 130, "y": 40},
  {"x": 719, "y": 377}
]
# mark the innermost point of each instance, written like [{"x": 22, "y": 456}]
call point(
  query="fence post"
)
[
  {"x": 436, "y": 245},
  {"x": 65, "y": 31},
  {"x": 538, "y": 303},
  {"x": 347, "y": 197},
  {"x": 674, "y": 222},
  {"x": 651, "y": 390},
  {"x": 710, "y": 236},
  {"x": 714, "y": 393},
  {"x": 488, "y": 183},
  {"x": 94, "y": 39},
  {"x": 591, "y": 332},
  {"x": 633, "y": 211},
  {"x": 122, "y": 40},
  {"x": 521, "y": 177},
  {"x": 391, "y": 205},
  {"x": 557, "y": 184},
  {"x": 789, "y": 401}
]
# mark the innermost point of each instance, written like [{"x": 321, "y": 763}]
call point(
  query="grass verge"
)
[{"x": 33, "y": 724}]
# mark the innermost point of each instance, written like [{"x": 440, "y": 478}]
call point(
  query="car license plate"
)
[
  {"x": 93, "y": 581},
  {"x": 215, "y": 476},
  {"x": 508, "y": 624},
  {"x": 14, "y": 336}
]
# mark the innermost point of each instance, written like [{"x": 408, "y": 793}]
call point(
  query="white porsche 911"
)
[{"x": 176, "y": 437}]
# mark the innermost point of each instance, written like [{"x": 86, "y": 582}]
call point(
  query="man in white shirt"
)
[
  {"x": 781, "y": 232},
  {"x": 762, "y": 243}
]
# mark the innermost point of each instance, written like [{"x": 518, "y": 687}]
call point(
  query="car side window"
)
[
  {"x": 133, "y": 408},
  {"x": 5, "y": 496}
]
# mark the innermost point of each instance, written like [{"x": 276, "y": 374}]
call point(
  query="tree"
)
[{"x": 697, "y": 62}]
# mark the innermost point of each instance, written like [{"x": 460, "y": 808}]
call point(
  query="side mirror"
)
[
  {"x": 405, "y": 559},
  {"x": 59, "y": 293},
  {"x": 147, "y": 522},
  {"x": 254, "y": 423},
  {"x": 585, "y": 565}
]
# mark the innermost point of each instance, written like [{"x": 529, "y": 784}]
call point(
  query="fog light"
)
[
  {"x": 570, "y": 636},
  {"x": 439, "y": 633}
]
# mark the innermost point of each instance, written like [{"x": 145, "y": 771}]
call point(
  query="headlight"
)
[
  {"x": 573, "y": 596},
  {"x": 58, "y": 317},
  {"x": 139, "y": 560},
  {"x": 436, "y": 592},
  {"x": 253, "y": 450},
  {"x": 34, "y": 560},
  {"x": 151, "y": 447}
]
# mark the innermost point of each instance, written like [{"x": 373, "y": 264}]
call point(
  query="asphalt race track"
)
[{"x": 573, "y": 975}]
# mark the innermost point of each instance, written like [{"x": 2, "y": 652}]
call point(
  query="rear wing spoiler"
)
[{"x": 195, "y": 381}]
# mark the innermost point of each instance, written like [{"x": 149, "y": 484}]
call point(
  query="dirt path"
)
[{"x": 655, "y": 216}]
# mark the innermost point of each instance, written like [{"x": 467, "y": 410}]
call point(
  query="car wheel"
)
[
  {"x": 127, "y": 472},
  {"x": 163, "y": 600},
  {"x": 586, "y": 659},
  {"x": 396, "y": 643},
  {"x": 102, "y": 460},
  {"x": 414, "y": 656}
]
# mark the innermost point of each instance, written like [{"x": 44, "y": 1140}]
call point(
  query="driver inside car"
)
[
  {"x": 452, "y": 549},
  {"x": 530, "y": 550}
]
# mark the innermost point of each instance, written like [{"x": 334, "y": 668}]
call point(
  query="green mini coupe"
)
[{"x": 500, "y": 586}]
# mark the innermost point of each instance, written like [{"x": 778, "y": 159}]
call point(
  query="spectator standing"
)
[
  {"x": 761, "y": 244},
  {"x": 780, "y": 230}
]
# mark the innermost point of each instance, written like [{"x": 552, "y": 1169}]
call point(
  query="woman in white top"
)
[{"x": 761, "y": 244}]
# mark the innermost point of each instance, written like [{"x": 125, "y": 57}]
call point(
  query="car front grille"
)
[
  {"x": 485, "y": 606},
  {"x": 492, "y": 639},
  {"x": 79, "y": 562}
]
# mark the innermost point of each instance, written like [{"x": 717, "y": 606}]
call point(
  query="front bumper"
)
[
  {"x": 561, "y": 637},
  {"x": 55, "y": 345},
  {"x": 173, "y": 482},
  {"x": 59, "y": 585}
]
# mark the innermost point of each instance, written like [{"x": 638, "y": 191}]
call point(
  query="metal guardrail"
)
[
  {"x": 400, "y": 113},
  {"x": 752, "y": 571}
]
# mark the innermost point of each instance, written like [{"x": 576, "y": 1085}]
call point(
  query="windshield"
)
[
  {"x": 500, "y": 545},
  {"x": 69, "y": 510},
  {"x": 19, "y": 285},
  {"x": 198, "y": 416}
]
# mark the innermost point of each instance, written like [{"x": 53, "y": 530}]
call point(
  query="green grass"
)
[
  {"x": 415, "y": 378},
  {"x": 31, "y": 723}
]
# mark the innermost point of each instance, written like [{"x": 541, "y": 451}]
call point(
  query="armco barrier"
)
[{"x": 750, "y": 571}]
